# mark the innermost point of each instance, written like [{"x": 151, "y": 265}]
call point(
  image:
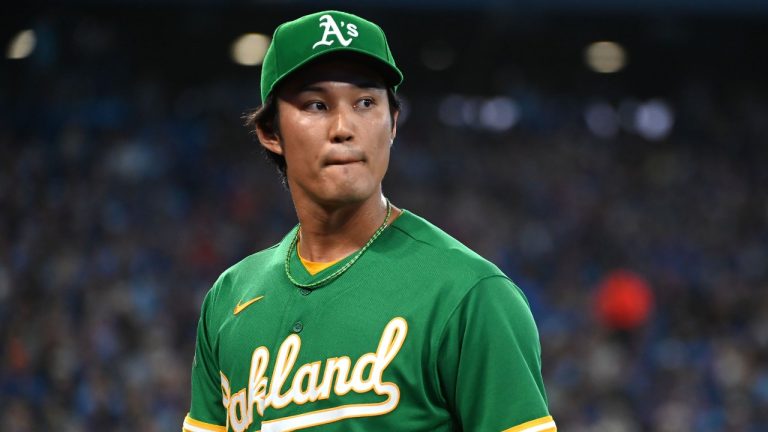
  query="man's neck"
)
[{"x": 331, "y": 233}]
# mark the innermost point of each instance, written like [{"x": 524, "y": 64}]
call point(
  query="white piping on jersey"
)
[
  {"x": 192, "y": 425},
  {"x": 543, "y": 424},
  {"x": 541, "y": 427},
  {"x": 190, "y": 428}
]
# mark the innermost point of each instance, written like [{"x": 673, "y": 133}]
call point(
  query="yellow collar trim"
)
[{"x": 314, "y": 267}]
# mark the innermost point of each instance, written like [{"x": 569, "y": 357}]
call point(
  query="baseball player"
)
[{"x": 365, "y": 317}]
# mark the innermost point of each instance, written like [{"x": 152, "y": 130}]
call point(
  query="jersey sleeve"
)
[
  {"x": 207, "y": 412},
  {"x": 489, "y": 363}
]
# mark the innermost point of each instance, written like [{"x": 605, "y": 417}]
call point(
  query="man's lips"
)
[{"x": 343, "y": 160}]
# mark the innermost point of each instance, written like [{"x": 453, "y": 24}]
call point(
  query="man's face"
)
[{"x": 335, "y": 132}]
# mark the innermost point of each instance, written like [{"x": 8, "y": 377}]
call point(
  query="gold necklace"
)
[{"x": 341, "y": 270}]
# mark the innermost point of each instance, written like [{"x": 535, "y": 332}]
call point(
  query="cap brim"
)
[{"x": 392, "y": 75}]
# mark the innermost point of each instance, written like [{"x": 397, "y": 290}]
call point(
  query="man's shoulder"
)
[
  {"x": 434, "y": 246},
  {"x": 255, "y": 269},
  {"x": 255, "y": 262}
]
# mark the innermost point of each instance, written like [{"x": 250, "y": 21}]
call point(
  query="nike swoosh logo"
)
[{"x": 239, "y": 308}]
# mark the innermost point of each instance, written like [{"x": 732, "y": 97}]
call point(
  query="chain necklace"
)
[{"x": 341, "y": 270}]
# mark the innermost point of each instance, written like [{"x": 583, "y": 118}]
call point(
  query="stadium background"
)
[{"x": 128, "y": 183}]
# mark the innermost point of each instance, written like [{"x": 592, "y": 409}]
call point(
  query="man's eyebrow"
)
[
  {"x": 311, "y": 88},
  {"x": 360, "y": 85},
  {"x": 370, "y": 85}
]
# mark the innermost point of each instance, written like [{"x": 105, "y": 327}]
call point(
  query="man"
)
[{"x": 365, "y": 317}]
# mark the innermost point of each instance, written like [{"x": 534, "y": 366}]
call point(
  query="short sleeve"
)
[
  {"x": 489, "y": 363},
  {"x": 207, "y": 412}
]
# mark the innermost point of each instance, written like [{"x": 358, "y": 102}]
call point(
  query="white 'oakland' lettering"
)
[
  {"x": 339, "y": 376},
  {"x": 330, "y": 28}
]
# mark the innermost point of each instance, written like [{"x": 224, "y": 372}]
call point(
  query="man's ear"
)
[
  {"x": 394, "y": 126},
  {"x": 270, "y": 140}
]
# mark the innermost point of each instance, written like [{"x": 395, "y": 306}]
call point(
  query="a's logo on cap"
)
[{"x": 332, "y": 29}]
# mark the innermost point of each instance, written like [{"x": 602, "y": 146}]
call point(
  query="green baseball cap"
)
[{"x": 296, "y": 43}]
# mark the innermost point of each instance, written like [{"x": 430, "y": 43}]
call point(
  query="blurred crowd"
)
[{"x": 121, "y": 202}]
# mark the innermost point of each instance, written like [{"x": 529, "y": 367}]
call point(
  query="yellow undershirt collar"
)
[{"x": 313, "y": 267}]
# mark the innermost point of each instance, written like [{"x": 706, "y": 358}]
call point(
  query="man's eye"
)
[
  {"x": 315, "y": 106},
  {"x": 365, "y": 103}
]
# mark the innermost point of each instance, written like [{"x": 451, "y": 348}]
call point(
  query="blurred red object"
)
[
  {"x": 18, "y": 355},
  {"x": 624, "y": 300}
]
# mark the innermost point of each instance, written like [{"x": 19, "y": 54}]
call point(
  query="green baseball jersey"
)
[{"x": 420, "y": 334}]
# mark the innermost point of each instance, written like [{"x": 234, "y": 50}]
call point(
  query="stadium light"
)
[
  {"x": 496, "y": 114},
  {"x": 249, "y": 49},
  {"x": 605, "y": 57},
  {"x": 654, "y": 120},
  {"x": 602, "y": 120},
  {"x": 450, "y": 110},
  {"x": 499, "y": 114},
  {"x": 22, "y": 45}
]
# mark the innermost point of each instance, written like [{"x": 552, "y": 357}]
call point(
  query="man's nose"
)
[{"x": 342, "y": 127}]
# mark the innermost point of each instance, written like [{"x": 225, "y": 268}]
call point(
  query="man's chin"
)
[{"x": 346, "y": 196}]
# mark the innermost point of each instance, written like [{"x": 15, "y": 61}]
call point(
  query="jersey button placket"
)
[{"x": 297, "y": 327}]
